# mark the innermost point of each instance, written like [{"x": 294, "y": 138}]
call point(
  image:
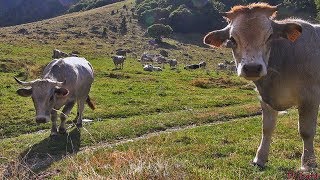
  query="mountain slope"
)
[{"x": 15, "y": 12}]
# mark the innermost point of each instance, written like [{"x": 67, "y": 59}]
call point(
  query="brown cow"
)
[{"x": 282, "y": 59}]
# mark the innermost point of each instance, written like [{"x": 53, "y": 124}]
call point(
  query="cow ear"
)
[
  {"x": 24, "y": 92},
  {"x": 290, "y": 31},
  {"x": 217, "y": 38},
  {"x": 61, "y": 92}
]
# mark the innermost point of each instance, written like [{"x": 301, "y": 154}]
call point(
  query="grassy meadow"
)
[{"x": 174, "y": 124}]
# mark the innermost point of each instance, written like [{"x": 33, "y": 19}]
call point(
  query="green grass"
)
[{"x": 206, "y": 152}]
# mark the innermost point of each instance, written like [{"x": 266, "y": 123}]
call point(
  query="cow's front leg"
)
[
  {"x": 54, "y": 123},
  {"x": 63, "y": 116},
  {"x": 269, "y": 117},
  {"x": 308, "y": 113}
]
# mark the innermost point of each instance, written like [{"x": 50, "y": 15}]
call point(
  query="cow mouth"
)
[
  {"x": 252, "y": 78},
  {"x": 42, "y": 119}
]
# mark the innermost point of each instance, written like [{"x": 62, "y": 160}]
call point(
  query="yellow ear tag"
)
[{"x": 294, "y": 35}]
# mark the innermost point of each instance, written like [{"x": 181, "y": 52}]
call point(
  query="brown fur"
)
[{"x": 252, "y": 8}]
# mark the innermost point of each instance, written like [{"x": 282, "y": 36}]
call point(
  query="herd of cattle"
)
[{"x": 67, "y": 80}]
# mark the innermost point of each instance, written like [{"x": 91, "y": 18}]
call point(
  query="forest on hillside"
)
[{"x": 198, "y": 16}]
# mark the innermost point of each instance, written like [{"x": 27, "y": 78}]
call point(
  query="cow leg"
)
[
  {"x": 63, "y": 116},
  {"x": 269, "y": 117},
  {"x": 54, "y": 117},
  {"x": 80, "y": 111},
  {"x": 307, "y": 128}
]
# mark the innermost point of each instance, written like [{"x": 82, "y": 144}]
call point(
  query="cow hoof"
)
[
  {"x": 308, "y": 168},
  {"x": 255, "y": 164},
  {"x": 62, "y": 131},
  {"x": 79, "y": 125}
]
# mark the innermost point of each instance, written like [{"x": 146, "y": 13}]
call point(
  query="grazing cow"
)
[
  {"x": 150, "y": 67},
  {"x": 282, "y": 59},
  {"x": 118, "y": 60},
  {"x": 64, "y": 82},
  {"x": 192, "y": 66},
  {"x": 146, "y": 58},
  {"x": 222, "y": 66},
  {"x": 173, "y": 63},
  {"x": 121, "y": 52},
  {"x": 203, "y": 64},
  {"x": 160, "y": 60},
  {"x": 59, "y": 54}
]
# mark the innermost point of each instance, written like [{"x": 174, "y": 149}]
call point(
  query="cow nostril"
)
[
  {"x": 252, "y": 69},
  {"x": 259, "y": 69}
]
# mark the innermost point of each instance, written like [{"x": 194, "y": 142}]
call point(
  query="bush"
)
[{"x": 158, "y": 31}]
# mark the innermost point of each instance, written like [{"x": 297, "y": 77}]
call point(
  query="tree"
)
[{"x": 158, "y": 31}]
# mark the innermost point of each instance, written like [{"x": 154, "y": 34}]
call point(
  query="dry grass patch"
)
[
  {"x": 142, "y": 164},
  {"x": 219, "y": 82}
]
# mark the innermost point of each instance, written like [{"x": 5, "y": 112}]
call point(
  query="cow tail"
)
[{"x": 90, "y": 104}]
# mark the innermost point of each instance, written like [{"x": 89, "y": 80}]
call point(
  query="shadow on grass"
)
[
  {"x": 39, "y": 157},
  {"x": 166, "y": 45},
  {"x": 191, "y": 39}
]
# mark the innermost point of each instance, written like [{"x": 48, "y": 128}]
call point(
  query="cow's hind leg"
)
[
  {"x": 269, "y": 117},
  {"x": 80, "y": 111},
  {"x": 308, "y": 113},
  {"x": 63, "y": 116}
]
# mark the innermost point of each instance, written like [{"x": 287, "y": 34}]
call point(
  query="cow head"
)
[
  {"x": 44, "y": 93},
  {"x": 249, "y": 34}
]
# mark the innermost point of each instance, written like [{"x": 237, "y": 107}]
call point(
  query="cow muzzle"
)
[
  {"x": 42, "y": 119},
  {"x": 252, "y": 71}
]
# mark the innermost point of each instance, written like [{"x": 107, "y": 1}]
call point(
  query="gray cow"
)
[
  {"x": 56, "y": 54},
  {"x": 64, "y": 82},
  {"x": 118, "y": 60},
  {"x": 282, "y": 59}
]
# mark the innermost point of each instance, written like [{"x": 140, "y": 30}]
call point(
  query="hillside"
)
[
  {"x": 174, "y": 124},
  {"x": 15, "y": 12}
]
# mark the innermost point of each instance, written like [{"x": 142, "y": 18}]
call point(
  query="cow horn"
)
[
  {"x": 23, "y": 83},
  {"x": 60, "y": 84}
]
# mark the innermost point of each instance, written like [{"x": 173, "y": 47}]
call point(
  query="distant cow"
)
[
  {"x": 192, "y": 66},
  {"x": 282, "y": 59},
  {"x": 203, "y": 64},
  {"x": 146, "y": 58},
  {"x": 57, "y": 54},
  {"x": 118, "y": 60},
  {"x": 150, "y": 67},
  {"x": 64, "y": 82},
  {"x": 222, "y": 66},
  {"x": 173, "y": 63},
  {"x": 121, "y": 52},
  {"x": 160, "y": 60}
]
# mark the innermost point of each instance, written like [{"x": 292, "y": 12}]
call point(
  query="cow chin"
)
[{"x": 252, "y": 78}]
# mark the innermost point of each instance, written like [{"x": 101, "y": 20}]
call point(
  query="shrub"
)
[{"x": 158, "y": 31}]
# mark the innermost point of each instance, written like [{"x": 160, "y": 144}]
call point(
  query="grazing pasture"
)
[{"x": 173, "y": 124}]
